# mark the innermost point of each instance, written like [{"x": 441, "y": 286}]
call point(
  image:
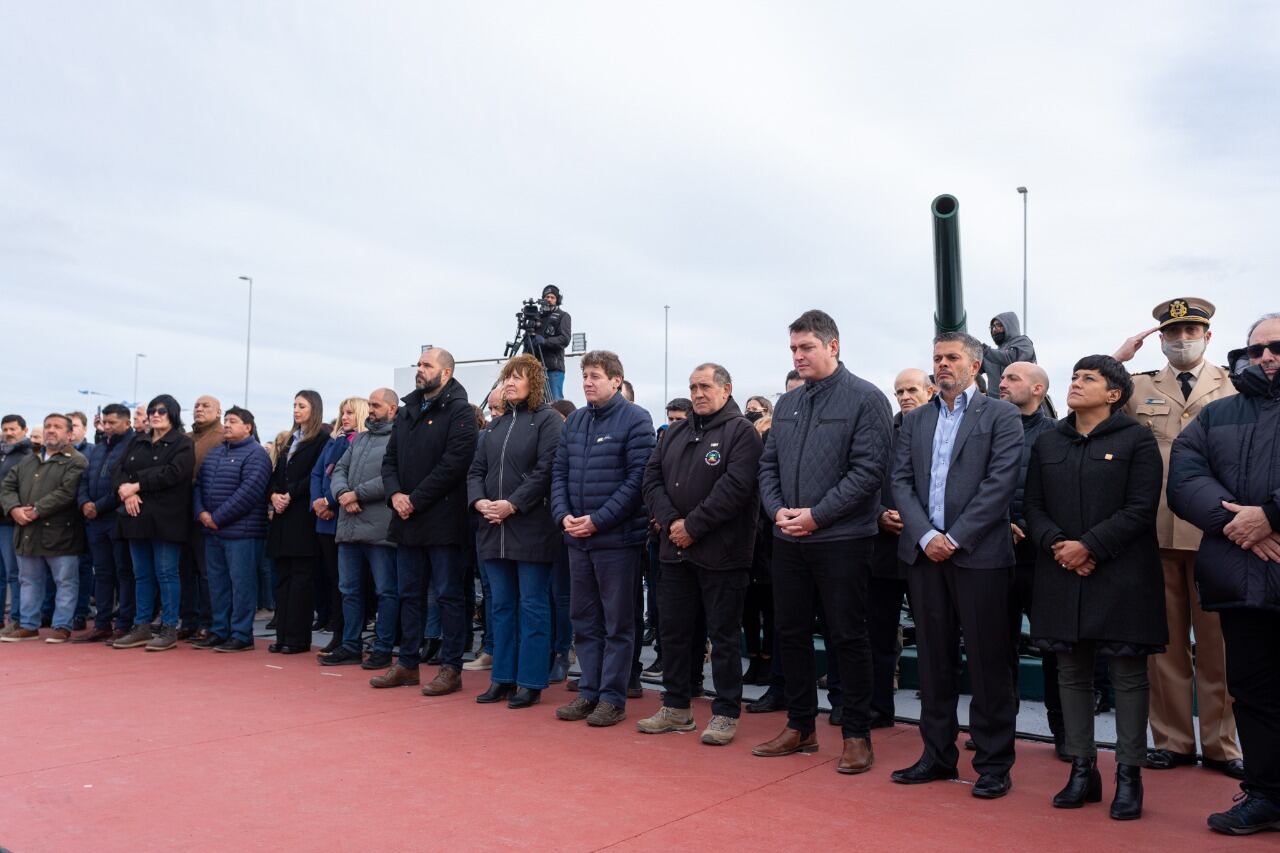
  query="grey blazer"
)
[{"x": 980, "y": 483}]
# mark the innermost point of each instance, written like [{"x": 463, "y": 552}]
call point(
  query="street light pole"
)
[
  {"x": 1023, "y": 192},
  {"x": 137, "y": 356},
  {"x": 248, "y": 337},
  {"x": 666, "y": 340}
]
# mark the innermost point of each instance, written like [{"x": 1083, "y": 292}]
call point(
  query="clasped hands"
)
[
  {"x": 495, "y": 512},
  {"x": 795, "y": 522},
  {"x": 1251, "y": 531},
  {"x": 1074, "y": 557}
]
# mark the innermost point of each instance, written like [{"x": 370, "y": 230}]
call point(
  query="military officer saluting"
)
[{"x": 1166, "y": 400}]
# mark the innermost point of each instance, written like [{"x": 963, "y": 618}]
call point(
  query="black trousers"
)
[
  {"x": 682, "y": 589},
  {"x": 295, "y": 597},
  {"x": 332, "y": 601},
  {"x": 1020, "y": 603},
  {"x": 757, "y": 619},
  {"x": 193, "y": 604},
  {"x": 838, "y": 574},
  {"x": 884, "y": 612},
  {"x": 1253, "y": 677},
  {"x": 946, "y": 598}
]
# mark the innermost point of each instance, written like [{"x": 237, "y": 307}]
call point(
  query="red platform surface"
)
[{"x": 109, "y": 750}]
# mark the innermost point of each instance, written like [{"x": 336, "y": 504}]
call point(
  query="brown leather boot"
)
[
  {"x": 447, "y": 680},
  {"x": 857, "y": 757},
  {"x": 788, "y": 742},
  {"x": 397, "y": 676}
]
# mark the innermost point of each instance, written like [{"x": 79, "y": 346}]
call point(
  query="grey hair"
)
[
  {"x": 718, "y": 374},
  {"x": 972, "y": 346},
  {"x": 1275, "y": 315}
]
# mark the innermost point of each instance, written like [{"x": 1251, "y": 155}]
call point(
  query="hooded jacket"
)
[
  {"x": 49, "y": 486},
  {"x": 513, "y": 462},
  {"x": 95, "y": 484},
  {"x": 427, "y": 458},
  {"x": 1015, "y": 347},
  {"x": 1231, "y": 452},
  {"x": 360, "y": 471},
  {"x": 10, "y": 456},
  {"x": 705, "y": 471},
  {"x": 232, "y": 488}
]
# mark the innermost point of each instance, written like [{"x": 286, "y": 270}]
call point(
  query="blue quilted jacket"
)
[
  {"x": 598, "y": 470},
  {"x": 232, "y": 487}
]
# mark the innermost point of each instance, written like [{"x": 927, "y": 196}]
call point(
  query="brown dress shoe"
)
[
  {"x": 857, "y": 757},
  {"x": 447, "y": 680},
  {"x": 97, "y": 635},
  {"x": 397, "y": 676},
  {"x": 788, "y": 742}
]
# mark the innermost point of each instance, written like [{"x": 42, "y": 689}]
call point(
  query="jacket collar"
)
[
  {"x": 379, "y": 427},
  {"x": 122, "y": 438},
  {"x": 608, "y": 405},
  {"x": 18, "y": 447},
  {"x": 413, "y": 400},
  {"x": 169, "y": 437},
  {"x": 1116, "y": 422},
  {"x": 727, "y": 412},
  {"x": 819, "y": 385},
  {"x": 1249, "y": 378},
  {"x": 236, "y": 445}
]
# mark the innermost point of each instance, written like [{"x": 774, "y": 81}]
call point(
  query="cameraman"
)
[{"x": 550, "y": 339}]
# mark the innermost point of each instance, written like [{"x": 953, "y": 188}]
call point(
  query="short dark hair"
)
[
  {"x": 792, "y": 376},
  {"x": 680, "y": 404},
  {"x": 606, "y": 361},
  {"x": 817, "y": 322},
  {"x": 66, "y": 418},
  {"x": 18, "y": 419},
  {"x": 972, "y": 346},
  {"x": 171, "y": 406},
  {"x": 628, "y": 390},
  {"x": 116, "y": 409},
  {"x": 564, "y": 407},
  {"x": 245, "y": 416},
  {"x": 80, "y": 416},
  {"x": 1113, "y": 371}
]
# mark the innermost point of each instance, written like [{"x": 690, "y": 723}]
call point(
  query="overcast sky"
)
[{"x": 393, "y": 174}]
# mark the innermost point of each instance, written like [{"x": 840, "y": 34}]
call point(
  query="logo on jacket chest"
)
[{"x": 712, "y": 458}]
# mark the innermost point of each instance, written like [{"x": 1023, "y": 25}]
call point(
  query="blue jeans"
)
[
  {"x": 555, "y": 385},
  {"x": 433, "y": 616},
  {"x": 112, "y": 576},
  {"x": 562, "y": 628},
  {"x": 86, "y": 585},
  {"x": 603, "y": 613},
  {"x": 439, "y": 567},
  {"x": 232, "y": 568},
  {"x": 66, "y": 577},
  {"x": 9, "y": 571},
  {"x": 155, "y": 563},
  {"x": 521, "y": 640},
  {"x": 382, "y": 565},
  {"x": 266, "y": 582}
]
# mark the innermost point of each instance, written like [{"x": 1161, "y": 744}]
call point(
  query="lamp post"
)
[
  {"x": 137, "y": 356},
  {"x": 666, "y": 340},
  {"x": 1022, "y": 191},
  {"x": 248, "y": 337}
]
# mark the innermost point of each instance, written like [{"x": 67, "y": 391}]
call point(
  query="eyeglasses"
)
[
  {"x": 1256, "y": 350},
  {"x": 157, "y": 410}
]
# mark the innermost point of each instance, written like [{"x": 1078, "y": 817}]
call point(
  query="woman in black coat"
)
[
  {"x": 509, "y": 484},
  {"x": 1093, "y": 488},
  {"x": 153, "y": 480},
  {"x": 291, "y": 540}
]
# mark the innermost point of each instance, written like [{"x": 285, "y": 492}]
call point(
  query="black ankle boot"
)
[
  {"x": 524, "y": 697},
  {"x": 495, "y": 693},
  {"x": 1128, "y": 802},
  {"x": 1084, "y": 785}
]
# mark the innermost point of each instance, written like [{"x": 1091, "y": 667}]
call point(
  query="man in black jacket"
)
[
  {"x": 700, "y": 487},
  {"x": 555, "y": 330},
  {"x": 112, "y": 567},
  {"x": 424, "y": 471},
  {"x": 820, "y": 479}
]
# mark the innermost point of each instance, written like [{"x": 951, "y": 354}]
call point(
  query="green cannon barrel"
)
[{"x": 950, "y": 315}]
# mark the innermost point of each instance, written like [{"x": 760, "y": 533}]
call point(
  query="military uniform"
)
[{"x": 1158, "y": 402}]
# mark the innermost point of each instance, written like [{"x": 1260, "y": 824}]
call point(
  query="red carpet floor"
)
[{"x": 109, "y": 750}]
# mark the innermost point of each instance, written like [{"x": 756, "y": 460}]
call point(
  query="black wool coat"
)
[
  {"x": 163, "y": 469},
  {"x": 293, "y": 532},
  {"x": 1103, "y": 490}
]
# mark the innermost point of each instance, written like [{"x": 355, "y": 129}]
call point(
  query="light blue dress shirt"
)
[{"x": 944, "y": 443}]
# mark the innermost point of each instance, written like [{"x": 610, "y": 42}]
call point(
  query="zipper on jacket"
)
[{"x": 502, "y": 466}]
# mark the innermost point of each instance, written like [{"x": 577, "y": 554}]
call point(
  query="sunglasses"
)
[
  {"x": 157, "y": 410},
  {"x": 1256, "y": 350}
]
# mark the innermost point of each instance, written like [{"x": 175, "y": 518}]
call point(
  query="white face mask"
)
[{"x": 1183, "y": 353}]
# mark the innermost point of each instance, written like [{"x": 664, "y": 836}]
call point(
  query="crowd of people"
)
[{"x": 1150, "y": 510}]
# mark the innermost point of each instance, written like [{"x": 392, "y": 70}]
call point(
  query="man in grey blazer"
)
[{"x": 954, "y": 474}]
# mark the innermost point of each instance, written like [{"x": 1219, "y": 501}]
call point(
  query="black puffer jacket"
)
[
  {"x": 293, "y": 532},
  {"x": 827, "y": 450},
  {"x": 427, "y": 459},
  {"x": 163, "y": 469},
  {"x": 1231, "y": 452},
  {"x": 1032, "y": 427},
  {"x": 705, "y": 473},
  {"x": 513, "y": 463}
]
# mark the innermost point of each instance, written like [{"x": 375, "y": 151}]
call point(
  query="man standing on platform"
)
[
  {"x": 954, "y": 475},
  {"x": 1166, "y": 401}
]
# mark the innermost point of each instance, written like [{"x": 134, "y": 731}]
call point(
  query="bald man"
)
[
  {"x": 195, "y": 607},
  {"x": 1025, "y": 385}
]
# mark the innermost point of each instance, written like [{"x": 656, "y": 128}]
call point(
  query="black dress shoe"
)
[
  {"x": 496, "y": 693},
  {"x": 767, "y": 704},
  {"x": 377, "y": 660},
  {"x": 341, "y": 656},
  {"x": 234, "y": 645},
  {"x": 1128, "y": 802},
  {"x": 276, "y": 648},
  {"x": 294, "y": 650},
  {"x": 1084, "y": 785},
  {"x": 1233, "y": 767},
  {"x": 1164, "y": 759},
  {"x": 524, "y": 697},
  {"x": 333, "y": 645},
  {"x": 992, "y": 786},
  {"x": 923, "y": 771}
]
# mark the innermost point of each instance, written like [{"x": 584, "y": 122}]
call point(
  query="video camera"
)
[{"x": 528, "y": 322}]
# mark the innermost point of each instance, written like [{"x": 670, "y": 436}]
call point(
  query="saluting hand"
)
[{"x": 1131, "y": 345}]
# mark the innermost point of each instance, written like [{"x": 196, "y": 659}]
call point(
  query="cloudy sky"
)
[{"x": 393, "y": 174}]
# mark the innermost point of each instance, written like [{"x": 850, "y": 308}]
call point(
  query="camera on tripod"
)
[{"x": 528, "y": 322}]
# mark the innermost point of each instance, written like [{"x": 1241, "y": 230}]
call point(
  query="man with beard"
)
[
  {"x": 14, "y": 446},
  {"x": 1166, "y": 401},
  {"x": 1010, "y": 346}
]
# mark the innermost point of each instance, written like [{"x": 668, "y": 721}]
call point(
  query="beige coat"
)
[{"x": 1158, "y": 405}]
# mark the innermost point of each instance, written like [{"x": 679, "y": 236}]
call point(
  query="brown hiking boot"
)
[
  {"x": 857, "y": 757},
  {"x": 164, "y": 639},
  {"x": 578, "y": 709},
  {"x": 397, "y": 676},
  {"x": 606, "y": 714},
  {"x": 19, "y": 634},
  {"x": 139, "y": 635},
  {"x": 448, "y": 680}
]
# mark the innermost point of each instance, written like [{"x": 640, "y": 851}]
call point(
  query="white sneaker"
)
[{"x": 483, "y": 661}]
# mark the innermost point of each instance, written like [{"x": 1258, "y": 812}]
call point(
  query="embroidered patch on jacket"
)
[{"x": 712, "y": 457}]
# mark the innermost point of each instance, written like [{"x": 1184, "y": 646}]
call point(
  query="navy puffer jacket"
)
[
  {"x": 232, "y": 487},
  {"x": 598, "y": 470},
  {"x": 95, "y": 485},
  {"x": 1231, "y": 452}
]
